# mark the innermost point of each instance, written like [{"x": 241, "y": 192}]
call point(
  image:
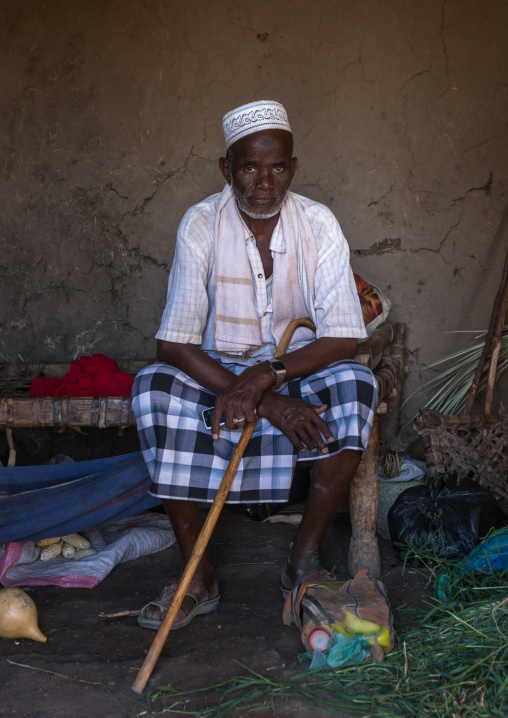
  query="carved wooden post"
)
[{"x": 364, "y": 496}]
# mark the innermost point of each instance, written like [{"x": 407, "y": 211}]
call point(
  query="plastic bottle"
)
[{"x": 318, "y": 639}]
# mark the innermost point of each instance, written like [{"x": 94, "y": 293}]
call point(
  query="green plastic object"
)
[{"x": 342, "y": 651}]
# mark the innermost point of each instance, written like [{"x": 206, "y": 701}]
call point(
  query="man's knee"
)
[
  {"x": 154, "y": 377},
  {"x": 365, "y": 385},
  {"x": 350, "y": 383}
]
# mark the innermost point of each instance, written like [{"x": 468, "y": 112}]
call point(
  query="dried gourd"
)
[
  {"x": 18, "y": 616},
  {"x": 51, "y": 552},
  {"x": 78, "y": 541}
]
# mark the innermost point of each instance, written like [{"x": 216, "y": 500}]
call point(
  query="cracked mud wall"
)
[{"x": 111, "y": 130}]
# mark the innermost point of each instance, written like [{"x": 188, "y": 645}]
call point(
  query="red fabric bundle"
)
[{"x": 97, "y": 375}]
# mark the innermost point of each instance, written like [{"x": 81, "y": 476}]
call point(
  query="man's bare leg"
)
[
  {"x": 330, "y": 479},
  {"x": 186, "y": 524},
  {"x": 329, "y": 482}
]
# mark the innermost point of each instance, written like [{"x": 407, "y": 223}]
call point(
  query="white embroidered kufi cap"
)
[{"x": 254, "y": 117}]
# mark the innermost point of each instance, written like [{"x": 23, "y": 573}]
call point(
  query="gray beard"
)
[{"x": 256, "y": 215}]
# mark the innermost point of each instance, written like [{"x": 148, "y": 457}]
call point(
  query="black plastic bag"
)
[{"x": 448, "y": 518}]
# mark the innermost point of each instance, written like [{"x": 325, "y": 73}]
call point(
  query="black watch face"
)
[{"x": 278, "y": 365}]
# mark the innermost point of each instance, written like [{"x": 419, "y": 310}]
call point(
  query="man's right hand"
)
[
  {"x": 238, "y": 402},
  {"x": 298, "y": 420},
  {"x": 237, "y": 396}
]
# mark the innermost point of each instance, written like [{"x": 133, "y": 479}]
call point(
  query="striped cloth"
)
[{"x": 185, "y": 463}]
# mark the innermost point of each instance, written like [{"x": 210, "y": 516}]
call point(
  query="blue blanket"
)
[{"x": 54, "y": 500}]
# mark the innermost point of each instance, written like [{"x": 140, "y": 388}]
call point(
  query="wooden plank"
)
[{"x": 60, "y": 412}]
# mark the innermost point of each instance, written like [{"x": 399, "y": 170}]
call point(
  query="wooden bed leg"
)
[
  {"x": 12, "y": 451},
  {"x": 364, "y": 496}
]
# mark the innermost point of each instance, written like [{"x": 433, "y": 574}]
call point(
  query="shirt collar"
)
[{"x": 277, "y": 243}]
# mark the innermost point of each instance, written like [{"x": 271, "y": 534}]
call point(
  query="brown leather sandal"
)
[{"x": 197, "y": 591}]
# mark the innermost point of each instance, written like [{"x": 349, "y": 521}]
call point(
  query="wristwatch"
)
[{"x": 279, "y": 370}]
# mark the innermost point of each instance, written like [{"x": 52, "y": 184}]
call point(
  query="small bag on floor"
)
[{"x": 357, "y": 610}]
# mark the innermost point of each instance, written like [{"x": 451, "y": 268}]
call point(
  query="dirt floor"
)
[{"x": 89, "y": 663}]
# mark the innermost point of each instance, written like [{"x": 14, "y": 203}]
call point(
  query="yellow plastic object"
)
[
  {"x": 339, "y": 628},
  {"x": 18, "y": 616},
  {"x": 359, "y": 625},
  {"x": 371, "y": 632},
  {"x": 384, "y": 638}
]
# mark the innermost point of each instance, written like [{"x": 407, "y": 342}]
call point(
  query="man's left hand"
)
[{"x": 298, "y": 420}]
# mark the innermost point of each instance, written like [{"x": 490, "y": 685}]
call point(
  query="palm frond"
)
[{"x": 452, "y": 385}]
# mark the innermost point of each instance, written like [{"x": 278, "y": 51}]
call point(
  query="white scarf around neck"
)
[{"x": 237, "y": 325}]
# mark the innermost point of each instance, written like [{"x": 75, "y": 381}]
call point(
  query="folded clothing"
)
[{"x": 97, "y": 375}]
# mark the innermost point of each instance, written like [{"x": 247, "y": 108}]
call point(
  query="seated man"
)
[{"x": 248, "y": 261}]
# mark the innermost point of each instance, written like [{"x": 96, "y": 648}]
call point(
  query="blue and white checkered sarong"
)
[{"x": 185, "y": 463}]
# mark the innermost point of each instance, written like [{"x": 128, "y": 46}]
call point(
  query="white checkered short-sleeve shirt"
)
[{"x": 189, "y": 316}]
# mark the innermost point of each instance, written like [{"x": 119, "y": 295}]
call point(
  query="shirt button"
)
[{"x": 260, "y": 276}]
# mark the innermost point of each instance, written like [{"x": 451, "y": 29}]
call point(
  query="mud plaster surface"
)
[{"x": 111, "y": 116}]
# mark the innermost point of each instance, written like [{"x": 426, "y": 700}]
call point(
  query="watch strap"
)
[{"x": 279, "y": 369}]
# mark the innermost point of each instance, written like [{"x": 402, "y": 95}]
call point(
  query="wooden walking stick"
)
[
  {"x": 202, "y": 541},
  {"x": 496, "y": 349}
]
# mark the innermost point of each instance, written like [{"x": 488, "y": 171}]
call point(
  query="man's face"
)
[{"x": 260, "y": 172}]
